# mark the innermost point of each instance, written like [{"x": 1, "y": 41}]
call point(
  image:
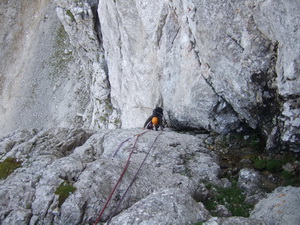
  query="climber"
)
[{"x": 155, "y": 120}]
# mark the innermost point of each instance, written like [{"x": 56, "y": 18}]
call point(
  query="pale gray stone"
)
[
  {"x": 279, "y": 207},
  {"x": 90, "y": 162},
  {"x": 167, "y": 206},
  {"x": 37, "y": 86},
  {"x": 98, "y": 64},
  {"x": 211, "y": 65},
  {"x": 249, "y": 181},
  {"x": 234, "y": 221},
  {"x": 222, "y": 211},
  {"x": 214, "y": 66}
]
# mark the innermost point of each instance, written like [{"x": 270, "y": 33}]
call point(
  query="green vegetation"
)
[
  {"x": 271, "y": 165},
  {"x": 253, "y": 141},
  {"x": 108, "y": 104},
  {"x": 232, "y": 198},
  {"x": 290, "y": 178},
  {"x": 106, "y": 112},
  {"x": 104, "y": 118},
  {"x": 62, "y": 54},
  {"x": 275, "y": 165},
  {"x": 8, "y": 166},
  {"x": 70, "y": 14},
  {"x": 63, "y": 192},
  {"x": 117, "y": 122}
]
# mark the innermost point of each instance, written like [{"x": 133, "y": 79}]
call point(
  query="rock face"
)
[
  {"x": 81, "y": 22},
  {"x": 280, "y": 207},
  {"x": 234, "y": 220},
  {"x": 49, "y": 76},
  {"x": 89, "y": 65},
  {"x": 169, "y": 206},
  {"x": 168, "y": 189},
  {"x": 211, "y": 65},
  {"x": 89, "y": 162},
  {"x": 98, "y": 64},
  {"x": 38, "y": 87}
]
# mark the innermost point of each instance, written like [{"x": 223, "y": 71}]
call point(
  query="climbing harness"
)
[{"x": 122, "y": 174}]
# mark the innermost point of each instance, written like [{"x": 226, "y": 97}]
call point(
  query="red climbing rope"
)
[
  {"x": 120, "y": 178},
  {"x": 123, "y": 142},
  {"x": 133, "y": 179}
]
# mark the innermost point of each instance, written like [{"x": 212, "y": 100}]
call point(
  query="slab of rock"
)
[
  {"x": 279, "y": 207},
  {"x": 234, "y": 221},
  {"x": 169, "y": 206},
  {"x": 92, "y": 162}
]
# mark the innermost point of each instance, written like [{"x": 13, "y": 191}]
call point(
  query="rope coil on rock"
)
[{"x": 122, "y": 174}]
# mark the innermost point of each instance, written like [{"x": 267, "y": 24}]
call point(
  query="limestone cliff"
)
[{"x": 215, "y": 65}]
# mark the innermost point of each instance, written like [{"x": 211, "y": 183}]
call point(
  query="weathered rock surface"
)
[
  {"x": 85, "y": 160},
  {"x": 280, "y": 207},
  {"x": 94, "y": 64},
  {"x": 52, "y": 68},
  {"x": 169, "y": 206},
  {"x": 250, "y": 182},
  {"x": 37, "y": 86},
  {"x": 234, "y": 221},
  {"x": 80, "y": 20},
  {"x": 167, "y": 190},
  {"x": 211, "y": 65}
]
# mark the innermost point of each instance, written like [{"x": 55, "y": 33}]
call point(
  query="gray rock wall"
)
[
  {"x": 25, "y": 45},
  {"x": 52, "y": 67},
  {"x": 38, "y": 87},
  {"x": 212, "y": 65}
]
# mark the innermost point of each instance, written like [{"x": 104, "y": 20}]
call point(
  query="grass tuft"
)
[
  {"x": 64, "y": 190},
  {"x": 70, "y": 14},
  {"x": 8, "y": 166},
  {"x": 232, "y": 198}
]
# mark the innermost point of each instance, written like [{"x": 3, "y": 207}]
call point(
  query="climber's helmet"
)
[{"x": 154, "y": 120}]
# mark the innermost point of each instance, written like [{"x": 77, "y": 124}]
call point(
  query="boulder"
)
[
  {"x": 167, "y": 206},
  {"x": 249, "y": 181},
  {"x": 234, "y": 221},
  {"x": 279, "y": 207}
]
